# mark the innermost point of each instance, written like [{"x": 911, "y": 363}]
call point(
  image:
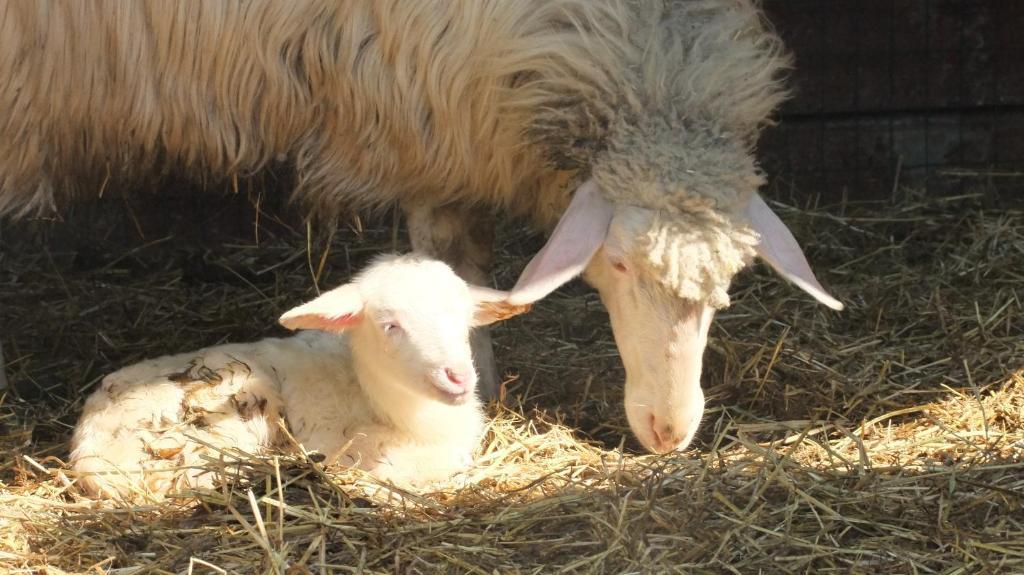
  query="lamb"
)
[
  {"x": 625, "y": 128},
  {"x": 381, "y": 378}
]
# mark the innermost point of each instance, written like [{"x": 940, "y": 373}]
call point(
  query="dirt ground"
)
[{"x": 887, "y": 438}]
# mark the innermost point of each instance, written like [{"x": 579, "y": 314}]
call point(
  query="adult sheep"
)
[{"x": 454, "y": 109}]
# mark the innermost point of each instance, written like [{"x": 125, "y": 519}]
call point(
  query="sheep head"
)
[
  {"x": 409, "y": 320},
  {"x": 669, "y": 212},
  {"x": 660, "y": 231}
]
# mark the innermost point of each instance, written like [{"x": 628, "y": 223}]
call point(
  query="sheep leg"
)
[{"x": 463, "y": 238}]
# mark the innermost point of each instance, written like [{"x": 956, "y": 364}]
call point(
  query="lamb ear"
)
[
  {"x": 492, "y": 305},
  {"x": 336, "y": 311},
  {"x": 779, "y": 249},
  {"x": 577, "y": 237}
]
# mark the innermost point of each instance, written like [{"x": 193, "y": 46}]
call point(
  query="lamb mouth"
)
[{"x": 450, "y": 395}]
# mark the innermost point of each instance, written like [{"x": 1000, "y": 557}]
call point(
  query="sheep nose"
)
[
  {"x": 455, "y": 378},
  {"x": 666, "y": 436}
]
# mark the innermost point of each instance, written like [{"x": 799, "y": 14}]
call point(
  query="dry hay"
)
[{"x": 884, "y": 439}]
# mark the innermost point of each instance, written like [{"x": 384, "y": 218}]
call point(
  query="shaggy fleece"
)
[{"x": 697, "y": 181}]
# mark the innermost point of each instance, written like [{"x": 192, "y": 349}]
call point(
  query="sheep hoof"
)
[{"x": 486, "y": 366}]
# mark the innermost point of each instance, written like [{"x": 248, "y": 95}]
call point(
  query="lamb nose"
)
[{"x": 454, "y": 377}]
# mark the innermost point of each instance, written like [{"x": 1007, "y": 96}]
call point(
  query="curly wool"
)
[
  {"x": 695, "y": 179},
  {"x": 702, "y": 81},
  {"x": 680, "y": 166},
  {"x": 696, "y": 254}
]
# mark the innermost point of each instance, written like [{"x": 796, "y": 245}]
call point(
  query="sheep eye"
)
[
  {"x": 619, "y": 266},
  {"x": 392, "y": 327}
]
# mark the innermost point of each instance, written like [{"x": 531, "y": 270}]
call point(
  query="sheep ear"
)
[
  {"x": 492, "y": 305},
  {"x": 577, "y": 237},
  {"x": 336, "y": 311},
  {"x": 779, "y": 249}
]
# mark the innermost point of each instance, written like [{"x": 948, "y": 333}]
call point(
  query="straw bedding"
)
[{"x": 884, "y": 439}]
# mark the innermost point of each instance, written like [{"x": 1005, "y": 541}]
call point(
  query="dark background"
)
[{"x": 926, "y": 93}]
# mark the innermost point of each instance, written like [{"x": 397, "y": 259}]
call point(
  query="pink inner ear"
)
[
  {"x": 341, "y": 322},
  {"x": 780, "y": 250},
  {"x": 322, "y": 323},
  {"x": 577, "y": 237},
  {"x": 335, "y": 310}
]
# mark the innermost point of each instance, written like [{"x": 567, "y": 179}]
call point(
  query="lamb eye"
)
[
  {"x": 392, "y": 327},
  {"x": 619, "y": 266}
]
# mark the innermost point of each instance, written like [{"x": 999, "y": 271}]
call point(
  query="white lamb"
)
[{"x": 383, "y": 381}]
